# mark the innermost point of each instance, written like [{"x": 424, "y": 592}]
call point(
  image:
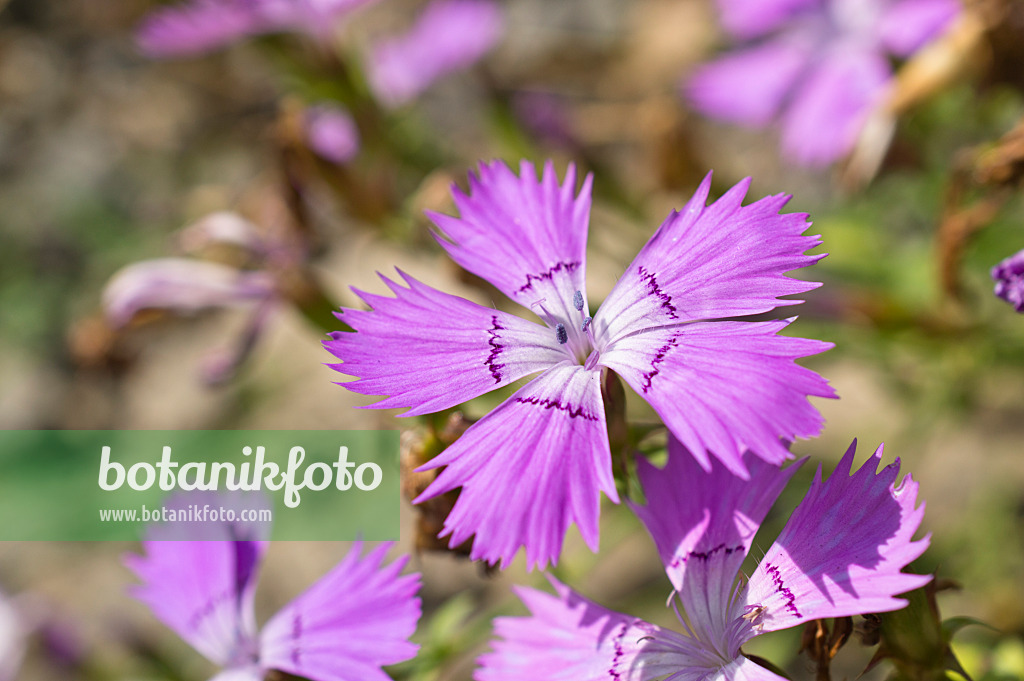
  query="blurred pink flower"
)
[
  {"x": 449, "y": 35},
  {"x": 818, "y": 67},
  {"x": 202, "y": 26},
  {"x": 331, "y": 133}
]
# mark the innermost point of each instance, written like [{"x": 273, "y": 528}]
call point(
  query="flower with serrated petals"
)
[
  {"x": 356, "y": 618},
  {"x": 840, "y": 554},
  {"x": 538, "y": 462}
]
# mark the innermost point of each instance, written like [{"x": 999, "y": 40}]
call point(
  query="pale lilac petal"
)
[
  {"x": 746, "y": 19},
  {"x": 222, "y": 227},
  {"x": 183, "y": 286},
  {"x": 429, "y": 350},
  {"x": 449, "y": 35},
  {"x": 203, "y": 590},
  {"x": 703, "y": 523},
  {"x": 569, "y": 638},
  {"x": 743, "y": 669},
  {"x": 13, "y": 633},
  {"x": 530, "y": 469},
  {"x": 842, "y": 550},
  {"x": 356, "y": 618},
  {"x": 748, "y": 86},
  {"x": 723, "y": 387},
  {"x": 332, "y": 133},
  {"x": 908, "y": 24},
  {"x": 825, "y": 117},
  {"x": 195, "y": 28},
  {"x": 710, "y": 262},
  {"x": 524, "y": 234},
  {"x": 1009, "y": 278}
]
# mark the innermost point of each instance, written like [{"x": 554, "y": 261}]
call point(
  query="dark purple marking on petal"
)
[
  {"x": 496, "y": 349},
  {"x": 551, "y": 272},
  {"x": 781, "y": 588},
  {"x": 296, "y": 637},
  {"x": 619, "y": 652},
  {"x": 555, "y": 404},
  {"x": 209, "y": 606},
  {"x": 704, "y": 555},
  {"x": 655, "y": 290},
  {"x": 659, "y": 357}
]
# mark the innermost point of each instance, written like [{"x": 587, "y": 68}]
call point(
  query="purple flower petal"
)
[
  {"x": 746, "y": 19},
  {"x": 710, "y": 262},
  {"x": 703, "y": 523},
  {"x": 569, "y": 637},
  {"x": 724, "y": 387},
  {"x": 748, "y": 86},
  {"x": 199, "y": 27},
  {"x": 203, "y": 590},
  {"x": 449, "y": 35},
  {"x": 530, "y": 469},
  {"x": 181, "y": 285},
  {"x": 525, "y": 235},
  {"x": 400, "y": 348},
  {"x": 332, "y": 133},
  {"x": 842, "y": 550},
  {"x": 356, "y": 618},
  {"x": 1009, "y": 278},
  {"x": 317, "y": 18},
  {"x": 908, "y": 24},
  {"x": 825, "y": 118}
]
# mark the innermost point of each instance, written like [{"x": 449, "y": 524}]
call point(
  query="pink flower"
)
[
  {"x": 817, "y": 67},
  {"x": 840, "y": 554},
  {"x": 539, "y": 461}
]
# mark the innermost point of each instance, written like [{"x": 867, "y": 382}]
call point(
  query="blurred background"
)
[{"x": 112, "y": 155}]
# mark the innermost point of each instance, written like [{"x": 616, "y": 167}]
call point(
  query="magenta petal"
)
[
  {"x": 843, "y": 548},
  {"x": 449, "y": 35},
  {"x": 195, "y": 28},
  {"x": 703, "y": 523},
  {"x": 430, "y": 350},
  {"x": 723, "y": 387},
  {"x": 356, "y": 618},
  {"x": 569, "y": 637},
  {"x": 825, "y": 118},
  {"x": 710, "y": 262},
  {"x": 908, "y": 24},
  {"x": 748, "y": 86},
  {"x": 181, "y": 285},
  {"x": 530, "y": 469},
  {"x": 747, "y": 19},
  {"x": 203, "y": 590},
  {"x": 526, "y": 235},
  {"x": 317, "y": 18}
]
